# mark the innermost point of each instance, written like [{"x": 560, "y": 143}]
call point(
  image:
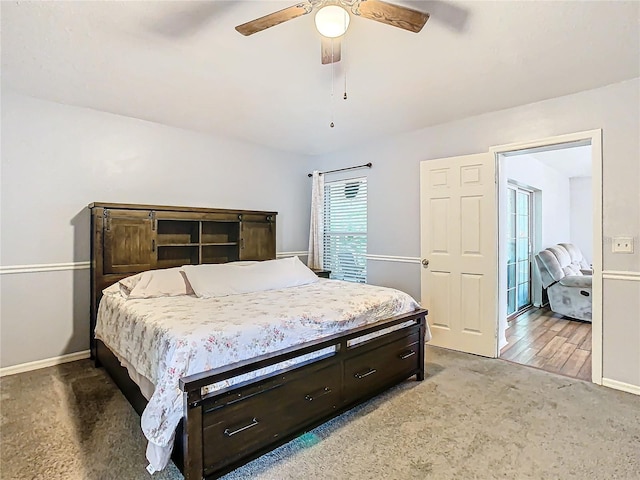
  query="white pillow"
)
[
  {"x": 219, "y": 280},
  {"x": 168, "y": 282}
]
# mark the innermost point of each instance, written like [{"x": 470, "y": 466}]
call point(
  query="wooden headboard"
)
[{"x": 128, "y": 239}]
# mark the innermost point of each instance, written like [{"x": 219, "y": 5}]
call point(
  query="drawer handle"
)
[
  {"x": 312, "y": 396},
  {"x": 410, "y": 353},
  {"x": 362, "y": 375},
  {"x": 229, "y": 433}
]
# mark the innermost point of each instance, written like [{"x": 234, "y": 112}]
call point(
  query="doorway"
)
[
  {"x": 546, "y": 203},
  {"x": 462, "y": 269}
]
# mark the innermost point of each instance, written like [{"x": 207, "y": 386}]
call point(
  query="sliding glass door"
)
[{"x": 519, "y": 244}]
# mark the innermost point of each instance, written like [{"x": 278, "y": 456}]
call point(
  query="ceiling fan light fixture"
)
[{"x": 332, "y": 21}]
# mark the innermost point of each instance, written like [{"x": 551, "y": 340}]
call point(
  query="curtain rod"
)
[{"x": 368, "y": 165}]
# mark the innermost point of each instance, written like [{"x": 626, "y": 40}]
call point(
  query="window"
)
[
  {"x": 345, "y": 229},
  {"x": 519, "y": 241}
]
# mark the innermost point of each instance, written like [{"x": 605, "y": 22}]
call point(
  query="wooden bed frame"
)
[{"x": 225, "y": 429}]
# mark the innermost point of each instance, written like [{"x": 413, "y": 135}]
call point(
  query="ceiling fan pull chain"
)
[
  {"x": 344, "y": 43},
  {"x": 345, "y": 86},
  {"x": 332, "y": 76}
]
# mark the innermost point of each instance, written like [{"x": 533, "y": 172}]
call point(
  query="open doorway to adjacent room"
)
[{"x": 546, "y": 202}]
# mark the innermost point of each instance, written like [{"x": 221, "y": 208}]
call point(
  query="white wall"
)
[
  {"x": 56, "y": 159},
  {"x": 555, "y": 195},
  {"x": 582, "y": 215},
  {"x": 394, "y": 221}
]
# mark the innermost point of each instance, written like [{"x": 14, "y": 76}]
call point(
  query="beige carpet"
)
[{"x": 472, "y": 418}]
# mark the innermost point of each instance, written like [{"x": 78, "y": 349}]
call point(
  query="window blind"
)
[{"x": 345, "y": 229}]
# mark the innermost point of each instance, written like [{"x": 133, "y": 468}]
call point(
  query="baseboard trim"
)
[
  {"x": 44, "y": 267},
  {"x": 368, "y": 256},
  {"x": 61, "y": 267},
  {"x": 47, "y": 362},
  {"x": 392, "y": 258},
  {"x": 621, "y": 275},
  {"x": 58, "y": 267},
  {"x": 291, "y": 254},
  {"x": 625, "y": 387}
]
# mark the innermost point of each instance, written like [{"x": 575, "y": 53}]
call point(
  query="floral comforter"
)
[{"x": 167, "y": 338}]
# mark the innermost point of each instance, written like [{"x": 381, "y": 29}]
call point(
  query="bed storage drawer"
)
[
  {"x": 238, "y": 428},
  {"x": 375, "y": 369}
]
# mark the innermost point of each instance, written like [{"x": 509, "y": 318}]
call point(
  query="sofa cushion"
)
[
  {"x": 551, "y": 264},
  {"x": 577, "y": 259},
  {"x": 564, "y": 260}
]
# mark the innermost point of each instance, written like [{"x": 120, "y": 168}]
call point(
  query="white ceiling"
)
[
  {"x": 183, "y": 64},
  {"x": 571, "y": 161}
]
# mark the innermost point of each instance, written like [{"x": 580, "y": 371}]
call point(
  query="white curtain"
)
[{"x": 314, "y": 260}]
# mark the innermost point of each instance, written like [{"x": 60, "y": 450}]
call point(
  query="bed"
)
[{"x": 268, "y": 373}]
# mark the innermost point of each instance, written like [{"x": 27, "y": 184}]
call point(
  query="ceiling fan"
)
[{"x": 332, "y": 20}]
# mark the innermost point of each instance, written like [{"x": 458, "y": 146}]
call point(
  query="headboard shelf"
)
[{"x": 130, "y": 238}]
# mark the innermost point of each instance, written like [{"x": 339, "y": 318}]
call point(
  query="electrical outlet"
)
[{"x": 622, "y": 245}]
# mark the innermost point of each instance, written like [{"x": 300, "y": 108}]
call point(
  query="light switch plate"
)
[{"x": 622, "y": 245}]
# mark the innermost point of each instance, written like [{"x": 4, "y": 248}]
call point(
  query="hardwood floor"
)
[{"x": 551, "y": 342}]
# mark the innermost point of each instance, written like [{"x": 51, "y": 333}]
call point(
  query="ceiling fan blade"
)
[
  {"x": 330, "y": 49},
  {"x": 395, "y": 15},
  {"x": 272, "y": 19}
]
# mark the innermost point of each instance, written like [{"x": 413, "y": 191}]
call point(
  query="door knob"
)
[{"x": 425, "y": 263}]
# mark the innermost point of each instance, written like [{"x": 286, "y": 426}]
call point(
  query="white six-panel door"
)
[{"x": 459, "y": 280}]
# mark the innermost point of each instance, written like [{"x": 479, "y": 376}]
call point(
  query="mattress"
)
[{"x": 164, "y": 339}]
